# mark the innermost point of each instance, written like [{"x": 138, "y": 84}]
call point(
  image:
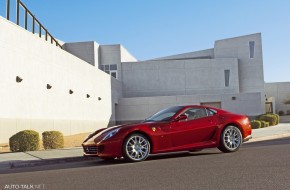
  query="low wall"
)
[{"x": 136, "y": 109}]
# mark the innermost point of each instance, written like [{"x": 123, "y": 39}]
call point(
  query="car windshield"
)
[{"x": 164, "y": 115}]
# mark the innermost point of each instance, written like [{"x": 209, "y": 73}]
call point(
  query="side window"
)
[
  {"x": 210, "y": 112},
  {"x": 195, "y": 113}
]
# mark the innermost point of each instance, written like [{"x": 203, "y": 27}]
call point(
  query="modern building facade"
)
[
  {"x": 229, "y": 76},
  {"x": 277, "y": 95},
  {"x": 86, "y": 86}
]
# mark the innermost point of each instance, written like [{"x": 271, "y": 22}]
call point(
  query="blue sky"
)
[{"x": 152, "y": 28}]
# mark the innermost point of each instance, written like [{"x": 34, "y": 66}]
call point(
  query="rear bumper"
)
[{"x": 247, "y": 138}]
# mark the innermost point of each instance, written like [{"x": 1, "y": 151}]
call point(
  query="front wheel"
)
[
  {"x": 231, "y": 139},
  {"x": 136, "y": 147}
]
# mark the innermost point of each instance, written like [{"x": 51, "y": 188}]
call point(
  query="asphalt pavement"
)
[
  {"x": 258, "y": 165},
  {"x": 46, "y": 157}
]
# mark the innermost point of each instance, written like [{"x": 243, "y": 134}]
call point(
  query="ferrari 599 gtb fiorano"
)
[{"x": 179, "y": 128}]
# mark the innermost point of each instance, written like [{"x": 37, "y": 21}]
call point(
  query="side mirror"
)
[{"x": 181, "y": 118}]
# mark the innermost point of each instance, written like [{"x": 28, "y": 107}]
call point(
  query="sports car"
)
[{"x": 178, "y": 128}]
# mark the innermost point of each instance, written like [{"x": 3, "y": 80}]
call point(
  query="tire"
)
[
  {"x": 136, "y": 147},
  {"x": 230, "y": 140}
]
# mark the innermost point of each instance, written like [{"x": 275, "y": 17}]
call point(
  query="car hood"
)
[{"x": 103, "y": 131}]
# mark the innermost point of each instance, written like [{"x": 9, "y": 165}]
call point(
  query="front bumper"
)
[
  {"x": 247, "y": 138},
  {"x": 108, "y": 149}
]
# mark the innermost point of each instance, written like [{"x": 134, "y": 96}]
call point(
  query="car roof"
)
[{"x": 200, "y": 106}]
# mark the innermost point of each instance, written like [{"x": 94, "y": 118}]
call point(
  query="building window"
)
[
  {"x": 113, "y": 74},
  {"x": 227, "y": 77},
  {"x": 252, "y": 49},
  {"x": 110, "y": 69}
]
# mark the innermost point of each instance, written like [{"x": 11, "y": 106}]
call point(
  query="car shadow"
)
[
  {"x": 280, "y": 141},
  {"x": 162, "y": 156},
  {"x": 100, "y": 163}
]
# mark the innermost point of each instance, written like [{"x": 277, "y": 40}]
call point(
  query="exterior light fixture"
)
[
  {"x": 71, "y": 92},
  {"x": 234, "y": 98},
  {"x": 88, "y": 96},
  {"x": 48, "y": 86},
  {"x": 99, "y": 98},
  {"x": 18, "y": 79}
]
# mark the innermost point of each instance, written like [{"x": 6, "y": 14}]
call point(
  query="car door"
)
[{"x": 199, "y": 127}]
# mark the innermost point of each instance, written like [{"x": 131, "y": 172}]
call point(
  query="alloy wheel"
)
[
  {"x": 232, "y": 138},
  {"x": 137, "y": 148}
]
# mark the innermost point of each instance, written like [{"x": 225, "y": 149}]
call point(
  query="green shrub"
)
[
  {"x": 278, "y": 118},
  {"x": 27, "y": 140},
  {"x": 256, "y": 124},
  {"x": 52, "y": 139},
  {"x": 271, "y": 118},
  {"x": 264, "y": 124}
]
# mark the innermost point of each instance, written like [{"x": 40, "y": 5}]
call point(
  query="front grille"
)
[{"x": 91, "y": 149}]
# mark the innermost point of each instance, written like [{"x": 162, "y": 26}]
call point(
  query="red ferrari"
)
[{"x": 179, "y": 128}]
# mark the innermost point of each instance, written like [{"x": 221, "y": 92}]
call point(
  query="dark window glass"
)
[
  {"x": 113, "y": 67},
  {"x": 164, "y": 115},
  {"x": 227, "y": 77},
  {"x": 114, "y": 74},
  {"x": 107, "y": 72},
  {"x": 102, "y": 67},
  {"x": 107, "y": 67},
  {"x": 252, "y": 49},
  {"x": 210, "y": 112},
  {"x": 195, "y": 113}
]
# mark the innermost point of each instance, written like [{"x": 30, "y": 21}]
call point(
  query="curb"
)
[
  {"x": 272, "y": 137},
  {"x": 23, "y": 164}
]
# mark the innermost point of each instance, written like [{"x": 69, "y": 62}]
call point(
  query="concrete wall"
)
[
  {"x": 87, "y": 51},
  {"x": 179, "y": 77},
  {"x": 208, "y": 53},
  {"x": 281, "y": 92},
  {"x": 142, "y": 107},
  {"x": 126, "y": 56},
  {"x": 110, "y": 54},
  {"x": 251, "y": 76},
  {"x": 116, "y": 94},
  {"x": 115, "y": 54},
  {"x": 29, "y": 105}
]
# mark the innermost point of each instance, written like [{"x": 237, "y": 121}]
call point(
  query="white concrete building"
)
[
  {"x": 71, "y": 90},
  {"x": 277, "y": 94},
  {"x": 229, "y": 76}
]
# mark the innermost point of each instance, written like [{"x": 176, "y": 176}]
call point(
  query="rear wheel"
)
[
  {"x": 136, "y": 147},
  {"x": 231, "y": 139}
]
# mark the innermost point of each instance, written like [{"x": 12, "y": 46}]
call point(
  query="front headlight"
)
[{"x": 111, "y": 133}]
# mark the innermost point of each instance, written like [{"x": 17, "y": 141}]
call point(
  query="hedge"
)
[
  {"x": 52, "y": 139},
  {"x": 278, "y": 118},
  {"x": 256, "y": 124},
  {"x": 264, "y": 124},
  {"x": 27, "y": 140},
  {"x": 273, "y": 119}
]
